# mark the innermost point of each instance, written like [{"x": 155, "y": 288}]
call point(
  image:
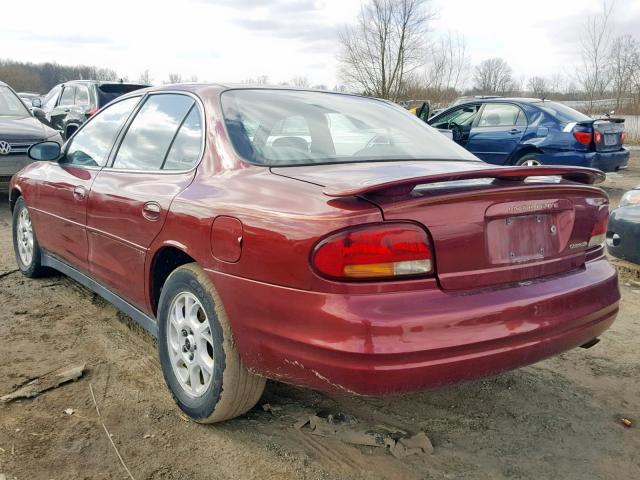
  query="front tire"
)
[
  {"x": 199, "y": 360},
  {"x": 25, "y": 243}
]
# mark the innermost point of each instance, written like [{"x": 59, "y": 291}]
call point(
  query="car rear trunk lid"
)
[{"x": 489, "y": 226}]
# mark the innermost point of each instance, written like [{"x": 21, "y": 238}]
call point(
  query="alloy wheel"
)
[
  {"x": 25, "y": 237},
  {"x": 190, "y": 344}
]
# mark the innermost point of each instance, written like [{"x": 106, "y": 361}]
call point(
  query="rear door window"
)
[
  {"x": 187, "y": 145},
  {"x": 146, "y": 144},
  {"x": 91, "y": 145},
  {"x": 500, "y": 115}
]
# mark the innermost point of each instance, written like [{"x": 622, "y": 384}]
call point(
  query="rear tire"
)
[
  {"x": 200, "y": 362},
  {"x": 529, "y": 160},
  {"x": 25, "y": 243}
]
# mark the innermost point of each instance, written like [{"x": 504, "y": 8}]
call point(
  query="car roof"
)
[
  {"x": 215, "y": 88},
  {"x": 102, "y": 82},
  {"x": 505, "y": 99}
]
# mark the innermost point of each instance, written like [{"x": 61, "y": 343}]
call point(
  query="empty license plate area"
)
[
  {"x": 611, "y": 139},
  {"x": 523, "y": 238}
]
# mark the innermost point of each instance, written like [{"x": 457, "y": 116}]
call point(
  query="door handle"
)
[
  {"x": 151, "y": 211},
  {"x": 513, "y": 131},
  {"x": 66, "y": 110},
  {"x": 79, "y": 192}
]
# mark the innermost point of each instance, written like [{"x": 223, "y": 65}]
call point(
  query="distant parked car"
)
[
  {"x": 522, "y": 131},
  {"x": 18, "y": 131},
  {"x": 623, "y": 233},
  {"x": 70, "y": 104}
]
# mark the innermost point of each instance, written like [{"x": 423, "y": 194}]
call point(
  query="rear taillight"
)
[
  {"x": 597, "y": 137},
  {"x": 385, "y": 250},
  {"x": 583, "y": 137},
  {"x": 622, "y": 136},
  {"x": 92, "y": 111},
  {"x": 599, "y": 230}
]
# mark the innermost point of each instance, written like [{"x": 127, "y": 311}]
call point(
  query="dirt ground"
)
[{"x": 559, "y": 419}]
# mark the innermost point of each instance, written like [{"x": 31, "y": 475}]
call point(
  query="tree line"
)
[
  {"x": 391, "y": 53},
  {"x": 41, "y": 77}
]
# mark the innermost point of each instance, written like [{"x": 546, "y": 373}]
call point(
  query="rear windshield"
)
[
  {"x": 562, "y": 113},
  {"x": 285, "y": 127},
  {"x": 110, "y": 91}
]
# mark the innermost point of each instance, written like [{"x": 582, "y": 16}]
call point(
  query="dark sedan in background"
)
[
  {"x": 623, "y": 232},
  {"x": 18, "y": 131},
  {"x": 524, "y": 131},
  {"x": 68, "y": 105}
]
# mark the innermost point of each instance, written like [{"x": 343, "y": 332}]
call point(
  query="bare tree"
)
[
  {"x": 493, "y": 76},
  {"x": 624, "y": 60},
  {"x": 259, "y": 80},
  {"x": 386, "y": 45},
  {"x": 448, "y": 62},
  {"x": 145, "y": 78},
  {"x": 594, "y": 73},
  {"x": 300, "y": 82},
  {"x": 538, "y": 86},
  {"x": 174, "y": 78},
  {"x": 556, "y": 84}
]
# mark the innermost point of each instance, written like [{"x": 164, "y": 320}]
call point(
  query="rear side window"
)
[
  {"x": 151, "y": 133},
  {"x": 562, "y": 113},
  {"x": 501, "y": 115},
  {"x": 92, "y": 144},
  {"x": 67, "y": 96}
]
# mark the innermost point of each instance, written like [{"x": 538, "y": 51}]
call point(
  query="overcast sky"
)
[{"x": 233, "y": 40}]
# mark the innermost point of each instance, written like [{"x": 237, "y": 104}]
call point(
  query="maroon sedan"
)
[{"x": 320, "y": 239}]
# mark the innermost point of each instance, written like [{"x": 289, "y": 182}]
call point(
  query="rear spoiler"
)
[
  {"x": 587, "y": 176},
  {"x": 588, "y": 123}
]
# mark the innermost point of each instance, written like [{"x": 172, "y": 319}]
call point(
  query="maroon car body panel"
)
[{"x": 253, "y": 230}]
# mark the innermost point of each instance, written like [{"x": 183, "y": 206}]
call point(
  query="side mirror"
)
[
  {"x": 39, "y": 114},
  {"x": 44, "y": 151},
  {"x": 36, "y": 102}
]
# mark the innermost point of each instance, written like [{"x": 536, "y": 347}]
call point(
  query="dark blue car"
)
[{"x": 524, "y": 131}]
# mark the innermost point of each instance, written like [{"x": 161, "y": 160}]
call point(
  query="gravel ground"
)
[{"x": 557, "y": 419}]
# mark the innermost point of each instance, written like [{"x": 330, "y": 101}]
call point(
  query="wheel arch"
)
[
  {"x": 525, "y": 150},
  {"x": 14, "y": 194},
  {"x": 165, "y": 260}
]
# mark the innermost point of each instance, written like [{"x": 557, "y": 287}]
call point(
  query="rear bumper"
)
[
  {"x": 623, "y": 233},
  {"x": 408, "y": 341},
  {"x": 605, "y": 161}
]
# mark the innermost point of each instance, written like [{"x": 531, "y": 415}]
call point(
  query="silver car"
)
[{"x": 19, "y": 129}]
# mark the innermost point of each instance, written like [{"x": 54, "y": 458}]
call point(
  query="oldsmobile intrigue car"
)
[
  {"x": 18, "y": 131},
  {"x": 315, "y": 238},
  {"x": 529, "y": 131}
]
